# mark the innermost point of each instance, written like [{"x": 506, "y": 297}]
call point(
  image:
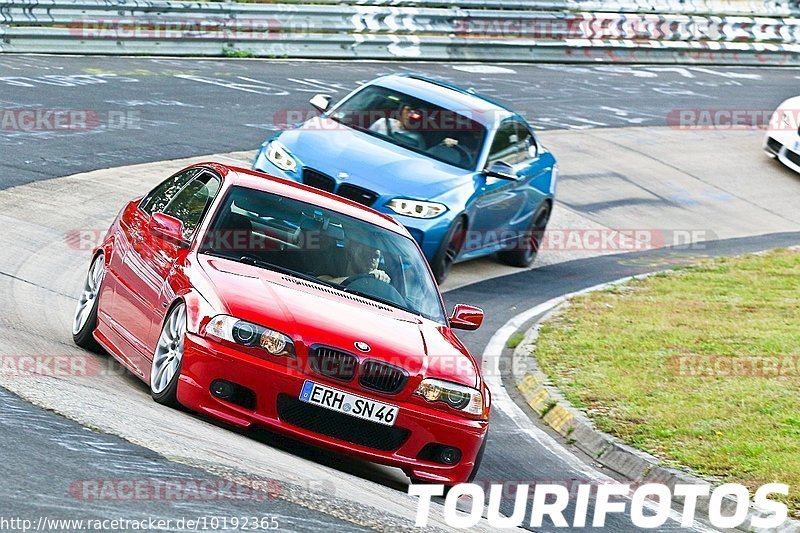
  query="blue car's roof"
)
[{"x": 446, "y": 96}]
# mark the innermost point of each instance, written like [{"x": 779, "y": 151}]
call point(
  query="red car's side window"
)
[
  {"x": 191, "y": 203},
  {"x": 162, "y": 195}
]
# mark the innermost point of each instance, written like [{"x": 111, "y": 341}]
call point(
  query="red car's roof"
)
[{"x": 264, "y": 182}]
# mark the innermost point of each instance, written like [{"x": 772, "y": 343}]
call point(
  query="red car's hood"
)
[{"x": 314, "y": 314}]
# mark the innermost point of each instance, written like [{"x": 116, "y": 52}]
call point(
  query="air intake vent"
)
[
  {"x": 318, "y": 179},
  {"x": 793, "y": 157},
  {"x": 774, "y": 145},
  {"x": 382, "y": 377},
  {"x": 333, "y": 363},
  {"x": 340, "y": 426},
  {"x": 357, "y": 194},
  {"x": 338, "y": 293}
]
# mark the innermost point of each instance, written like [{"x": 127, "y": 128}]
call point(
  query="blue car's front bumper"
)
[{"x": 429, "y": 233}]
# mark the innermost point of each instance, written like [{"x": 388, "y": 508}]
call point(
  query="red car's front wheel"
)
[
  {"x": 165, "y": 372},
  {"x": 85, "y": 319}
]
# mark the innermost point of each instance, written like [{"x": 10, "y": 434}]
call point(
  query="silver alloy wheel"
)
[
  {"x": 89, "y": 295},
  {"x": 169, "y": 352}
]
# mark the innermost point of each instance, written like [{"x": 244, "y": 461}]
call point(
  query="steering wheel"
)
[
  {"x": 462, "y": 152},
  {"x": 369, "y": 284},
  {"x": 352, "y": 279}
]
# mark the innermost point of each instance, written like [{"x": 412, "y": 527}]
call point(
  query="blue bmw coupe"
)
[{"x": 465, "y": 175}]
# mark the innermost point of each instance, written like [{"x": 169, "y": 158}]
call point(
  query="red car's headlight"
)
[
  {"x": 250, "y": 335},
  {"x": 456, "y": 396}
]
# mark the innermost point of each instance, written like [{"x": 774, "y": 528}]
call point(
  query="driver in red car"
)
[{"x": 360, "y": 260}]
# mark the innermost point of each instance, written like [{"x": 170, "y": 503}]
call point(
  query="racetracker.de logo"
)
[
  {"x": 36, "y": 119},
  {"x": 412, "y": 119},
  {"x": 561, "y": 240},
  {"x": 201, "y": 27},
  {"x": 29, "y": 120},
  {"x": 58, "y": 366},
  {"x": 174, "y": 490},
  {"x": 726, "y": 366},
  {"x": 734, "y": 119}
]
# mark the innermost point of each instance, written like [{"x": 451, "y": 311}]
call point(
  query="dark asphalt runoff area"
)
[
  {"x": 57, "y": 471},
  {"x": 157, "y": 109}
]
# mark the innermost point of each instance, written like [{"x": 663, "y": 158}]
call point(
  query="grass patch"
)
[
  {"x": 651, "y": 363},
  {"x": 233, "y": 52},
  {"x": 515, "y": 340}
]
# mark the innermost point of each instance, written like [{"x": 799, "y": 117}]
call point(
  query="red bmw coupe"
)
[{"x": 259, "y": 301}]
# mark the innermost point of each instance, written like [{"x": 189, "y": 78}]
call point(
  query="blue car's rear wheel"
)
[
  {"x": 448, "y": 252},
  {"x": 526, "y": 250}
]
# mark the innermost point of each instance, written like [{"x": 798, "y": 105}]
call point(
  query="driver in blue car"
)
[
  {"x": 403, "y": 127},
  {"x": 361, "y": 260}
]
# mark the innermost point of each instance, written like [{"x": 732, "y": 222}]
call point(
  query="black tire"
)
[
  {"x": 174, "y": 327},
  {"x": 524, "y": 254},
  {"x": 83, "y": 335},
  {"x": 451, "y": 246}
]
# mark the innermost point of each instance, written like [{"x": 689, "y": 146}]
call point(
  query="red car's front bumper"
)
[{"x": 277, "y": 389}]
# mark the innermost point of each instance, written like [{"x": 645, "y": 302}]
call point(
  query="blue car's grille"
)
[
  {"x": 357, "y": 194},
  {"x": 318, "y": 180}
]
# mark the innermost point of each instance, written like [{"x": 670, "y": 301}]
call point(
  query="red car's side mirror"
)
[
  {"x": 466, "y": 317},
  {"x": 166, "y": 227}
]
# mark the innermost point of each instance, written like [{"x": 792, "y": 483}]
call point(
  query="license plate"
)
[{"x": 349, "y": 404}]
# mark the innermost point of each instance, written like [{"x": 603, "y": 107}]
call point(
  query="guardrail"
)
[{"x": 499, "y": 30}]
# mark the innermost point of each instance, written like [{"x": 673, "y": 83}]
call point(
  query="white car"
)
[{"x": 783, "y": 138}]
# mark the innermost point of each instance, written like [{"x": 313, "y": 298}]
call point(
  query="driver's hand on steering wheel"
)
[{"x": 380, "y": 275}]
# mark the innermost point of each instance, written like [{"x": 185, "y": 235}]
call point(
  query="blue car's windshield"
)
[
  {"x": 325, "y": 247},
  {"x": 442, "y": 134}
]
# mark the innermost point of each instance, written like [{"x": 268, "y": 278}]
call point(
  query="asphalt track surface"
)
[
  {"x": 60, "y": 469},
  {"x": 157, "y": 109},
  {"x": 177, "y": 108}
]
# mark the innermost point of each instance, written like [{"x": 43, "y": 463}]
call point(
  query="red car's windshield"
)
[{"x": 324, "y": 246}]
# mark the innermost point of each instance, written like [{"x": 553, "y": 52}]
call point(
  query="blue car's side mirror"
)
[
  {"x": 321, "y": 102},
  {"x": 501, "y": 170}
]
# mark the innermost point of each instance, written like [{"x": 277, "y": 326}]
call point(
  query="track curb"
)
[{"x": 577, "y": 430}]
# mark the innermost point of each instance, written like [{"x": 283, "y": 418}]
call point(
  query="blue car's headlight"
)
[
  {"x": 416, "y": 208},
  {"x": 279, "y": 156}
]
